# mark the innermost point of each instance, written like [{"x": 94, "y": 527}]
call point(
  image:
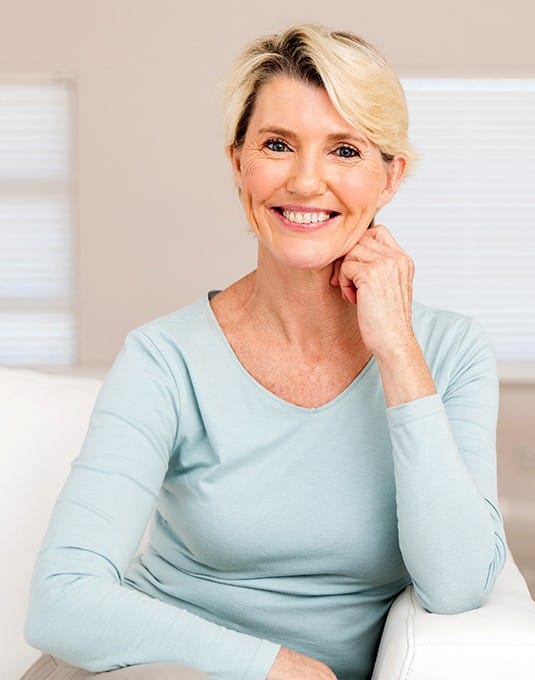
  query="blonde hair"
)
[{"x": 360, "y": 83}]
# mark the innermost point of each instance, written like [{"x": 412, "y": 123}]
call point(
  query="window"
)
[
  {"x": 467, "y": 215},
  {"x": 36, "y": 278}
]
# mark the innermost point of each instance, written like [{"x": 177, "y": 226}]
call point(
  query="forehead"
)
[{"x": 289, "y": 103}]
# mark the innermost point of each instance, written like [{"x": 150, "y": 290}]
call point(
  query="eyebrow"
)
[{"x": 333, "y": 137}]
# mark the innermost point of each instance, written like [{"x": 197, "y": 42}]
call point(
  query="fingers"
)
[
  {"x": 336, "y": 268},
  {"x": 368, "y": 251},
  {"x": 346, "y": 278},
  {"x": 349, "y": 293},
  {"x": 347, "y": 289},
  {"x": 381, "y": 234},
  {"x": 377, "y": 241},
  {"x": 349, "y": 277},
  {"x": 376, "y": 247},
  {"x": 344, "y": 275}
]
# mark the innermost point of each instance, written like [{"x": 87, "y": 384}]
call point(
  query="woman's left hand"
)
[{"x": 377, "y": 276}]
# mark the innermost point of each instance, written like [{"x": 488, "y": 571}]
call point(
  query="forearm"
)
[
  {"x": 450, "y": 535},
  {"x": 404, "y": 373},
  {"x": 98, "y": 624},
  {"x": 450, "y": 530},
  {"x": 81, "y": 610}
]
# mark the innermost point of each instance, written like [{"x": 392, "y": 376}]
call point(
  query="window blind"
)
[
  {"x": 36, "y": 278},
  {"x": 467, "y": 213}
]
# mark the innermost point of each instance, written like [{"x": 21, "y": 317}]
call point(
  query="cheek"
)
[
  {"x": 359, "y": 191},
  {"x": 261, "y": 179}
]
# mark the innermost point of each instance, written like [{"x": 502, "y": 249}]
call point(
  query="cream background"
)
[{"x": 157, "y": 221}]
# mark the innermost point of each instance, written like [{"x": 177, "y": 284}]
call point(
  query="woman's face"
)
[{"x": 310, "y": 183}]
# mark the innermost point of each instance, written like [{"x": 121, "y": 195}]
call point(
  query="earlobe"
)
[
  {"x": 394, "y": 174},
  {"x": 235, "y": 160}
]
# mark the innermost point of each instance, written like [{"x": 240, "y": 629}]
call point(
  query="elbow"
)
[
  {"x": 64, "y": 616},
  {"x": 40, "y": 635},
  {"x": 43, "y": 628},
  {"x": 462, "y": 591},
  {"x": 39, "y": 629},
  {"x": 50, "y": 625},
  {"x": 451, "y": 595},
  {"x": 449, "y": 604},
  {"x": 33, "y": 632},
  {"x": 456, "y": 598}
]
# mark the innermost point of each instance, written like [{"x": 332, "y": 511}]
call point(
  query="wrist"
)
[
  {"x": 404, "y": 373},
  {"x": 402, "y": 347}
]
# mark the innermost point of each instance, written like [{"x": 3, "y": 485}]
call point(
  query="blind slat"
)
[
  {"x": 36, "y": 282},
  {"x": 467, "y": 215}
]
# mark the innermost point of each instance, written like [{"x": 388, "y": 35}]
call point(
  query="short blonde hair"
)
[{"x": 360, "y": 83}]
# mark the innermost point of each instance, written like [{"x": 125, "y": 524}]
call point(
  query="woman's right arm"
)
[
  {"x": 80, "y": 610},
  {"x": 290, "y": 665}
]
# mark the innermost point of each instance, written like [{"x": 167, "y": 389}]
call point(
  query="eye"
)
[
  {"x": 277, "y": 145},
  {"x": 346, "y": 151}
]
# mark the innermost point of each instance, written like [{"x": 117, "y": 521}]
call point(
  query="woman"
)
[{"x": 312, "y": 440}]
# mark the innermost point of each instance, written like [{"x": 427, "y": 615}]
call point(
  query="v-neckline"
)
[{"x": 251, "y": 379}]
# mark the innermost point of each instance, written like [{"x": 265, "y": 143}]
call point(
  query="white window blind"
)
[
  {"x": 36, "y": 279},
  {"x": 467, "y": 214}
]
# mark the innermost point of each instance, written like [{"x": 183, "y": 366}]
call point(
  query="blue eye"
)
[
  {"x": 277, "y": 145},
  {"x": 347, "y": 152}
]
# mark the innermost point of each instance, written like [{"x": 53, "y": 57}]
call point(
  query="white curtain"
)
[
  {"x": 467, "y": 214},
  {"x": 36, "y": 260}
]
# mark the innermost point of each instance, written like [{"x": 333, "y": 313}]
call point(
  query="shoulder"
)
[
  {"x": 157, "y": 358},
  {"x": 191, "y": 313},
  {"x": 454, "y": 344},
  {"x": 164, "y": 346},
  {"x": 178, "y": 328},
  {"x": 434, "y": 325}
]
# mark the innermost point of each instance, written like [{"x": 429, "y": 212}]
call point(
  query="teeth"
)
[{"x": 305, "y": 217}]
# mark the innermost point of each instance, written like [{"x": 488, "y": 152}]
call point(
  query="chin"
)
[
  {"x": 305, "y": 259},
  {"x": 298, "y": 253}
]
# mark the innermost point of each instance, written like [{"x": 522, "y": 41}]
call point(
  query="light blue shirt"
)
[{"x": 275, "y": 524}]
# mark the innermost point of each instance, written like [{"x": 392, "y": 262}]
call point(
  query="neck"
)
[{"x": 301, "y": 306}]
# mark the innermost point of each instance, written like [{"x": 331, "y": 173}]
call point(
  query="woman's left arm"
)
[
  {"x": 444, "y": 448},
  {"x": 444, "y": 451}
]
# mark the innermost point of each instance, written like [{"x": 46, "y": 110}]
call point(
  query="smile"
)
[{"x": 306, "y": 217}]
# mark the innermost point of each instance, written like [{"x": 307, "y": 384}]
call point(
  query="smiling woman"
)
[
  {"x": 311, "y": 438},
  {"x": 302, "y": 170}
]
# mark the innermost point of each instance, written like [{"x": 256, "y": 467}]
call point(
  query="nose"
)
[{"x": 307, "y": 176}]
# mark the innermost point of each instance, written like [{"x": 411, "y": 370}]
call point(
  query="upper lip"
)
[{"x": 303, "y": 208}]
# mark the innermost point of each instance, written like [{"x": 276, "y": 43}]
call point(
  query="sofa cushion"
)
[
  {"x": 493, "y": 642},
  {"x": 43, "y": 420}
]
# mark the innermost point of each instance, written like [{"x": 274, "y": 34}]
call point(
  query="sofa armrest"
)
[{"x": 493, "y": 642}]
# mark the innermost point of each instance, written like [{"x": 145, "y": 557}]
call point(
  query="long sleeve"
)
[
  {"x": 444, "y": 449},
  {"x": 80, "y": 609},
  {"x": 273, "y": 524}
]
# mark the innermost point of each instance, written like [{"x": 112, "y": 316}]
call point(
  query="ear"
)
[
  {"x": 395, "y": 170},
  {"x": 234, "y": 155}
]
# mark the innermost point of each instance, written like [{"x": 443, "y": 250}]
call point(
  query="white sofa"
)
[{"x": 43, "y": 419}]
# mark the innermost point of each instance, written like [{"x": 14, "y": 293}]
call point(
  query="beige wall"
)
[
  {"x": 157, "y": 222},
  {"x": 157, "y": 219}
]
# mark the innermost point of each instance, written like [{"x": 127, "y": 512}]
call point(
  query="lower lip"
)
[{"x": 293, "y": 226}]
